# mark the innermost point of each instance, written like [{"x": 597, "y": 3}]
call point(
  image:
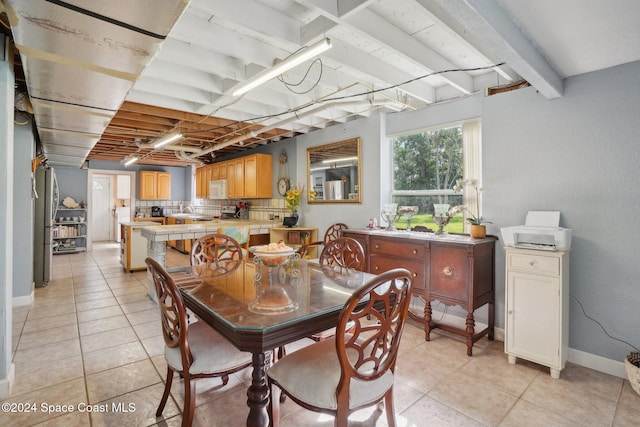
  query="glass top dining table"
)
[{"x": 260, "y": 308}]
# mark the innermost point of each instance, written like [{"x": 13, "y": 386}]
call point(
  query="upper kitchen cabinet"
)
[
  {"x": 258, "y": 176},
  {"x": 247, "y": 177},
  {"x": 123, "y": 187},
  {"x": 155, "y": 185}
]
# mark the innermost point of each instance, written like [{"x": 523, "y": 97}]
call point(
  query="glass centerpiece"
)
[
  {"x": 442, "y": 214},
  {"x": 408, "y": 212},
  {"x": 390, "y": 214}
]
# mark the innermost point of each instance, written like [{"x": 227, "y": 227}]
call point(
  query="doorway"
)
[{"x": 102, "y": 202}]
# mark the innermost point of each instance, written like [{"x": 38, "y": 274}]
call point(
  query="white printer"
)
[{"x": 540, "y": 231}]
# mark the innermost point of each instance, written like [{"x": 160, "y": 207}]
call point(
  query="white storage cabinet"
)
[{"x": 537, "y": 307}]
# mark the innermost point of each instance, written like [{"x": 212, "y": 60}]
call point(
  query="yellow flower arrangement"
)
[{"x": 293, "y": 197}]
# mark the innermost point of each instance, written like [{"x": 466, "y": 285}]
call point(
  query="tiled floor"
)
[{"x": 92, "y": 339}]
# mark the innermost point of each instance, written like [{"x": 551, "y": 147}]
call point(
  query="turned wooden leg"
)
[
  {"x": 427, "y": 321},
  {"x": 470, "y": 323},
  {"x": 258, "y": 393}
]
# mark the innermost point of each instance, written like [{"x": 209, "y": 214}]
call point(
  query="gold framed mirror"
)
[{"x": 334, "y": 172}]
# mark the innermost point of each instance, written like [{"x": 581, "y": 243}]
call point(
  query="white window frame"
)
[{"x": 471, "y": 160}]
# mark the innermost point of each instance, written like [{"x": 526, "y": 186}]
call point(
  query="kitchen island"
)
[{"x": 158, "y": 236}]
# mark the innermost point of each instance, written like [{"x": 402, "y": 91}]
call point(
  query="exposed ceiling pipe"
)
[{"x": 343, "y": 104}]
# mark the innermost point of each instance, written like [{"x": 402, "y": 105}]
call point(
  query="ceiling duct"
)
[{"x": 80, "y": 61}]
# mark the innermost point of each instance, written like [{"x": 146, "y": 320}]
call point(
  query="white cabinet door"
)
[
  {"x": 533, "y": 318},
  {"x": 123, "y": 187}
]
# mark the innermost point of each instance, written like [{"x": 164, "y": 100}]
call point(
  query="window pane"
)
[{"x": 429, "y": 160}]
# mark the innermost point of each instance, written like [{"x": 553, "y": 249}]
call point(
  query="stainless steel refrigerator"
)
[{"x": 46, "y": 205}]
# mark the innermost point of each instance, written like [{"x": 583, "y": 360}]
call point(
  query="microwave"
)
[{"x": 218, "y": 189}]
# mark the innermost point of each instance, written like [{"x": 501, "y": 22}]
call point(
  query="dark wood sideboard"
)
[{"x": 455, "y": 269}]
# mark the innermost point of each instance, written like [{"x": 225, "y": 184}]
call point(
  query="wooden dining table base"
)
[{"x": 258, "y": 393}]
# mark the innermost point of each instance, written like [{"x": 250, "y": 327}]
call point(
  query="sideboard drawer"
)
[
  {"x": 534, "y": 263},
  {"x": 398, "y": 248},
  {"x": 380, "y": 264}
]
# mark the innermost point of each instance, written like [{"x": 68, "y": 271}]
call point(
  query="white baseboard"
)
[
  {"x": 588, "y": 360},
  {"x": 23, "y": 300},
  {"x": 598, "y": 363},
  {"x": 5, "y": 383}
]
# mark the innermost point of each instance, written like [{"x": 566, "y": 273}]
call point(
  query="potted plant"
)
[
  {"x": 478, "y": 227},
  {"x": 292, "y": 198}
]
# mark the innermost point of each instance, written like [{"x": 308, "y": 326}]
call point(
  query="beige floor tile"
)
[
  {"x": 69, "y": 393},
  {"x": 50, "y": 311},
  {"x": 102, "y": 325},
  {"x": 40, "y": 324},
  {"x": 32, "y": 376},
  {"x": 73, "y": 419},
  {"x": 136, "y": 408},
  {"x": 429, "y": 411},
  {"x": 525, "y": 414},
  {"x": 47, "y": 336},
  {"x": 144, "y": 316},
  {"x": 476, "y": 399},
  {"x": 90, "y": 296},
  {"x": 143, "y": 295},
  {"x": 123, "y": 379},
  {"x": 134, "y": 307},
  {"x": 107, "y": 339},
  {"x": 569, "y": 399},
  {"x": 48, "y": 353},
  {"x": 154, "y": 345},
  {"x": 99, "y": 313},
  {"x": 113, "y": 357},
  {"x": 149, "y": 329},
  {"x": 40, "y": 303},
  {"x": 131, "y": 288},
  {"x": 97, "y": 303}
]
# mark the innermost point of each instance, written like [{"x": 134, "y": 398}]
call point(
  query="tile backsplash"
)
[{"x": 259, "y": 209}]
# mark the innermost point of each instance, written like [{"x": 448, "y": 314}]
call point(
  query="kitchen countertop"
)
[
  {"x": 139, "y": 223},
  {"x": 162, "y": 233}
]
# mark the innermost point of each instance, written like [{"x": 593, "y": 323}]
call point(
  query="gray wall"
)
[
  {"x": 23, "y": 211},
  {"x": 578, "y": 154},
  {"x": 72, "y": 182}
]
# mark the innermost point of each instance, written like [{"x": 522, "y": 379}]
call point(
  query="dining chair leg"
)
[
  {"x": 225, "y": 379},
  {"x": 389, "y": 409},
  {"x": 189, "y": 402},
  {"x": 165, "y": 395},
  {"x": 274, "y": 404}
]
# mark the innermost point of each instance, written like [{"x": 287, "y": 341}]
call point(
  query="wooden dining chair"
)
[
  {"x": 344, "y": 252},
  {"x": 333, "y": 232},
  {"x": 193, "y": 350},
  {"x": 213, "y": 247},
  {"x": 356, "y": 368}
]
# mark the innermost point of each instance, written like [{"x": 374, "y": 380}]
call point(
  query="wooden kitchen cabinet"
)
[
  {"x": 537, "y": 307},
  {"x": 133, "y": 247},
  {"x": 455, "y": 270},
  {"x": 248, "y": 177},
  {"x": 154, "y": 185},
  {"x": 258, "y": 176}
]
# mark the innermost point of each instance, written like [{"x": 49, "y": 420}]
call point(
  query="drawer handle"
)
[
  {"x": 415, "y": 251},
  {"x": 377, "y": 268},
  {"x": 532, "y": 263},
  {"x": 447, "y": 271},
  {"x": 415, "y": 274},
  {"x": 377, "y": 246}
]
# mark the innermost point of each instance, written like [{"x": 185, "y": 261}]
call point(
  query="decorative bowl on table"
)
[{"x": 273, "y": 254}]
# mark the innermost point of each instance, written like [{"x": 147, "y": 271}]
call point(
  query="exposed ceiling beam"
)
[{"x": 489, "y": 22}]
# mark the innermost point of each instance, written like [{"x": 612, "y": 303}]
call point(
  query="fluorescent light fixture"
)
[
  {"x": 341, "y": 159},
  {"x": 320, "y": 168},
  {"x": 297, "y": 58},
  {"x": 130, "y": 160},
  {"x": 167, "y": 140}
]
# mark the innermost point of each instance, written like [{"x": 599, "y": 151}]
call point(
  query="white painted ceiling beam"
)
[
  {"x": 392, "y": 38},
  {"x": 251, "y": 18},
  {"x": 491, "y": 23},
  {"x": 459, "y": 32}
]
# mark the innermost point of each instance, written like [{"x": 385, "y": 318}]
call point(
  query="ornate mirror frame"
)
[{"x": 334, "y": 172}]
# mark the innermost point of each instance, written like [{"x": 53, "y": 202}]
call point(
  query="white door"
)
[{"x": 102, "y": 201}]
